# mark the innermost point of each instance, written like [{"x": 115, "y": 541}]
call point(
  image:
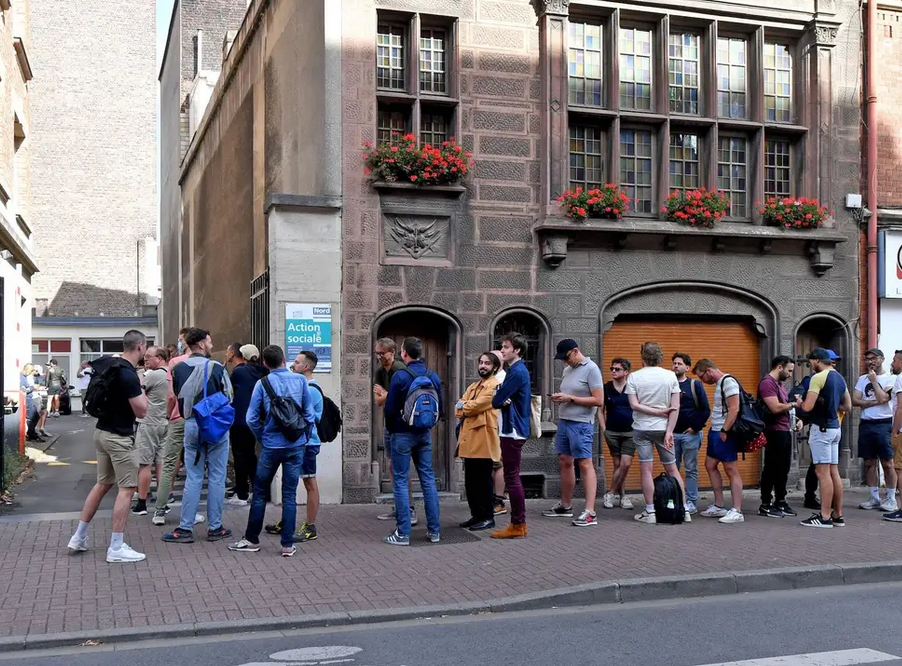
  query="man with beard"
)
[
  {"x": 872, "y": 396},
  {"x": 778, "y": 432}
]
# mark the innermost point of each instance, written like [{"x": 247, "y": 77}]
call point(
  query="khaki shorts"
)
[
  {"x": 151, "y": 442},
  {"x": 897, "y": 451},
  {"x": 117, "y": 459},
  {"x": 620, "y": 443}
]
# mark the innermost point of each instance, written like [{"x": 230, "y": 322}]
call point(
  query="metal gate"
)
[{"x": 260, "y": 310}]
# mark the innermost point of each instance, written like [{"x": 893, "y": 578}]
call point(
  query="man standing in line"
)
[
  {"x": 873, "y": 395},
  {"x": 305, "y": 364},
  {"x": 410, "y": 442},
  {"x": 497, "y": 468},
  {"x": 277, "y": 450},
  {"x": 777, "y": 430},
  {"x": 151, "y": 435},
  {"x": 114, "y": 442},
  {"x": 56, "y": 378},
  {"x": 616, "y": 422},
  {"x": 32, "y": 403},
  {"x": 654, "y": 396},
  {"x": 581, "y": 394},
  {"x": 385, "y": 352},
  {"x": 827, "y": 398},
  {"x": 188, "y": 384},
  {"x": 247, "y": 371},
  {"x": 175, "y": 441},
  {"x": 479, "y": 444},
  {"x": 84, "y": 380},
  {"x": 687, "y": 439},
  {"x": 513, "y": 398},
  {"x": 723, "y": 447},
  {"x": 896, "y": 367}
]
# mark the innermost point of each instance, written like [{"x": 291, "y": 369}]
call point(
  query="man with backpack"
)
[
  {"x": 615, "y": 419},
  {"x": 687, "y": 435},
  {"x": 413, "y": 406},
  {"x": 204, "y": 395},
  {"x": 514, "y": 398},
  {"x": 873, "y": 395},
  {"x": 827, "y": 399},
  {"x": 723, "y": 446},
  {"x": 282, "y": 419},
  {"x": 247, "y": 371},
  {"x": 654, "y": 396},
  {"x": 115, "y": 398},
  {"x": 778, "y": 432}
]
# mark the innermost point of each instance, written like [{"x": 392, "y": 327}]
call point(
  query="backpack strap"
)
[
  {"x": 693, "y": 386},
  {"x": 267, "y": 386}
]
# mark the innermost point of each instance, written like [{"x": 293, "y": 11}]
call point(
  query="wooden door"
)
[
  {"x": 435, "y": 334},
  {"x": 733, "y": 346}
]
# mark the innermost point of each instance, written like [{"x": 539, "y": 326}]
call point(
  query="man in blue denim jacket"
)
[
  {"x": 409, "y": 443},
  {"x": 277, "y": 450}
]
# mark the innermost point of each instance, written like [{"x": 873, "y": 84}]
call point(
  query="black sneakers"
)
[
  {"x": 769, "y": 511},
  {"x": 812, "y": 503},
  {"x": 894, "y": 517},
  {"x": 817, "y": 520},
  {"x": 785, "y": 509}
]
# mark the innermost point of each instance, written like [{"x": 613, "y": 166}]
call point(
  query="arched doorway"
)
[{"x": 440, "y": 334}]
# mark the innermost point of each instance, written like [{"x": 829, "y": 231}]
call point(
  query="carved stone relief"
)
[{"x": 416, "y": 236}]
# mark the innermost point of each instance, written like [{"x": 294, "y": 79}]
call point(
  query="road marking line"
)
[
  {"x": 57, "y": 464},
  {"x": 835, "y": 658}
]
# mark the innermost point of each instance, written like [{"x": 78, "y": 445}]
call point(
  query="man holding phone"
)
[{"x": 581, "y": 394}]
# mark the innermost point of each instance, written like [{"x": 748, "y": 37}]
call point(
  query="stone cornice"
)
[{"x": 551, "y": 7}]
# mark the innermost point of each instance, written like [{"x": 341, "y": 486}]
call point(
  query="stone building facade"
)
[{"x": 546, "y": 95}]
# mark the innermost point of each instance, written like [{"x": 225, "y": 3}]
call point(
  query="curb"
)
[{"x": 606, "y": 592}]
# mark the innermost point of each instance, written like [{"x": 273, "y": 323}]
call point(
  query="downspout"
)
[{"x": 871, "y": 119}]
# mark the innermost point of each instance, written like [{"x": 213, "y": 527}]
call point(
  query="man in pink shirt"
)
[{"x": 175, "y": 440}]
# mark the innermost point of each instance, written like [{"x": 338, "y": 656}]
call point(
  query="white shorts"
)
[{"x": 824, "y": 445}]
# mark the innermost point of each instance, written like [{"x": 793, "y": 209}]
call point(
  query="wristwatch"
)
[{"x": 571, "y": 399}]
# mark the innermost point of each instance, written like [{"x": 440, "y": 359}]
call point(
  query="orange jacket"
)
[{"x": 479, "y": 430}]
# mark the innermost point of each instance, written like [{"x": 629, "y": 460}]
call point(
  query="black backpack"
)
[
  {"x": 749, "y": 422},
  {"x": 329, "y": 425},
  {"x": 668, "y": 501},
  {"x": 100, "y": 391},
  {"x": 288, "y": 415}
]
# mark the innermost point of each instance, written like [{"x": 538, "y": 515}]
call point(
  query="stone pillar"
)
[
  {"x": 553, "y": 59},
  {"x": 304, "y": 241}
]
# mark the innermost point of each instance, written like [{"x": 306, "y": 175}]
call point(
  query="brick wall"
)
[
  {"x": 888, "y": 56},
  {"x": 93, "y": 152}
]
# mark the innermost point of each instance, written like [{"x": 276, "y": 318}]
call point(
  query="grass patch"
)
[{"x": 13, "y": 465}]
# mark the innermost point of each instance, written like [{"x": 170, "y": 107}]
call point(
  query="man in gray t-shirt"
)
[{"x": 581, "y": 394}]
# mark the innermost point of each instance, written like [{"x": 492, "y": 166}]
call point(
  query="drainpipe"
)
[{"x": 871, "y": 119}]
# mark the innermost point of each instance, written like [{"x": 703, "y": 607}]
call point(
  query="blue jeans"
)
[
  {"x": 215, "y": 457},
  {"x": 404, "y": 446},
  {"x": 267, "y": 465},
  {"x": 685, "y": 447}
]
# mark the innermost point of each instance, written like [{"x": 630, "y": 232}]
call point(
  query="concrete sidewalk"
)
[{"x": 349, "y": 575}]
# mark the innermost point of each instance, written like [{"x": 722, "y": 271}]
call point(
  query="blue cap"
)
[{"x": 821, "y": 354}]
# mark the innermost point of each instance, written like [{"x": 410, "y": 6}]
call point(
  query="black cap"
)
[
  {"x": 874, "y": 352},
  {"x": 564, "y": 347}
]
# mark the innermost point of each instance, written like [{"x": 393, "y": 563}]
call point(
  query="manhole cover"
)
[{"x": 450, "y": 536}]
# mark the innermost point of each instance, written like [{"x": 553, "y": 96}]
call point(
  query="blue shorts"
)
[
  {"x": 727, "y": 451},
  {"x": 875, "y": 439},
  {"x": 308, "y": 465},
  {"x": 574, "y": 439}
]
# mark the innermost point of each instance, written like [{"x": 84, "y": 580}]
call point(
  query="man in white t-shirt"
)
[
  {"x": 84, "y": 379},
  {"x": 873, "y": 395},
  {"x": 654, "y": 395},
  {"x": 896, "y": 367}
]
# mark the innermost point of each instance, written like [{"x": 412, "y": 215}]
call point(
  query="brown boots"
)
[{"x": 512, "y": 531}]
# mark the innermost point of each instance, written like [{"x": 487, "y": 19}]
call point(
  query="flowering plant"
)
[
  {"x": 607, "y": 201},
  {"x": 405, "y": 161},
  {"x": 697, "y": 208},
  {"x": 792, "y": 213}
]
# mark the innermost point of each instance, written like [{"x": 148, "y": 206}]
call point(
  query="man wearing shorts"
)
[
  {"x": 654, "y": 396},
  {"x": 581, "y": 394},
  {"x": 616, "y": 422},
  {"x": 151, "y": 435},
  {"x": 896, "y": 367},
  {"x": 723, "y": 448},
  {"x": 114, "y": 443},
  {"x": 873, "y": 395},
  {"x": 827, "y": 397}
]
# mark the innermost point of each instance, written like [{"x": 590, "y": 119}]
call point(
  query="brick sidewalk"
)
[{"x": 44, "y": 590}]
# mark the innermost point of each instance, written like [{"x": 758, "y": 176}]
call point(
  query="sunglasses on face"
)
[{"x": 616, "y": 369}]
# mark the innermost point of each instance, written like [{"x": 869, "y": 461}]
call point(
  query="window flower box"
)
[
  {"x": 403, "y": 161},
  {"x": 696, "y": 208},
  {"x": 791, "y": 213},
  {"x": 607, "y": 203}
]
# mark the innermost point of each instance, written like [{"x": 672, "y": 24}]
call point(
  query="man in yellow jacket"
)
[{"x": 479, "y": 444}]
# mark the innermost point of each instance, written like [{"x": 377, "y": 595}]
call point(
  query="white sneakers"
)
[
  {"x": 198, "y": 518},
  {"x": 124, "y": 554},
  {"x": 77, "y": 545},
  {"x": 610, "y": 500},
  {"x": 626, "y": 503},
  {"x": 236, "y": 501},
  {"x": 870, "y": 503},
  {"x": 889, "y": 505},
  {"x": 732, "y": 516},
  {"x": 714, "y": 511},
  {"x": 646, "y": 517}
]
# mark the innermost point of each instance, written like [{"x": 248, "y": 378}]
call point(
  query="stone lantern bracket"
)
[{"x": 556, "y": 235}]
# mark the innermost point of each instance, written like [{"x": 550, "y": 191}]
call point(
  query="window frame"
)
[
  {"x": 749, "y": 169},
  {"x": 392, "y": 21},
  {"x": 654, "y": 162},
  {"x": 682, "y": 30},
  {"x": 777, "y": 41},
  {"x": 700, "y": 152},
  {"x": 603, "y": 54},
  {"x": 749, "y": 64},
  {"x": 654, "y": 67},
  {"x": 604, "y": 139}
]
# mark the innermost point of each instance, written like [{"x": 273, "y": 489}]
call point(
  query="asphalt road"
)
[{"x": 853, "y": 625}]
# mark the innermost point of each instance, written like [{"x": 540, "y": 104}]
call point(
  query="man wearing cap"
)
[
  {"x": 826, "y": 401},
  {"x": 581, "y": 394},
  {"x": 873, "y": 395},
  {"x": 247, "y": 371}
]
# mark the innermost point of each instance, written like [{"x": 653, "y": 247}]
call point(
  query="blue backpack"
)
[
  {"x": 421, "y": 405},
  {"x": 214, "y": 414}
]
